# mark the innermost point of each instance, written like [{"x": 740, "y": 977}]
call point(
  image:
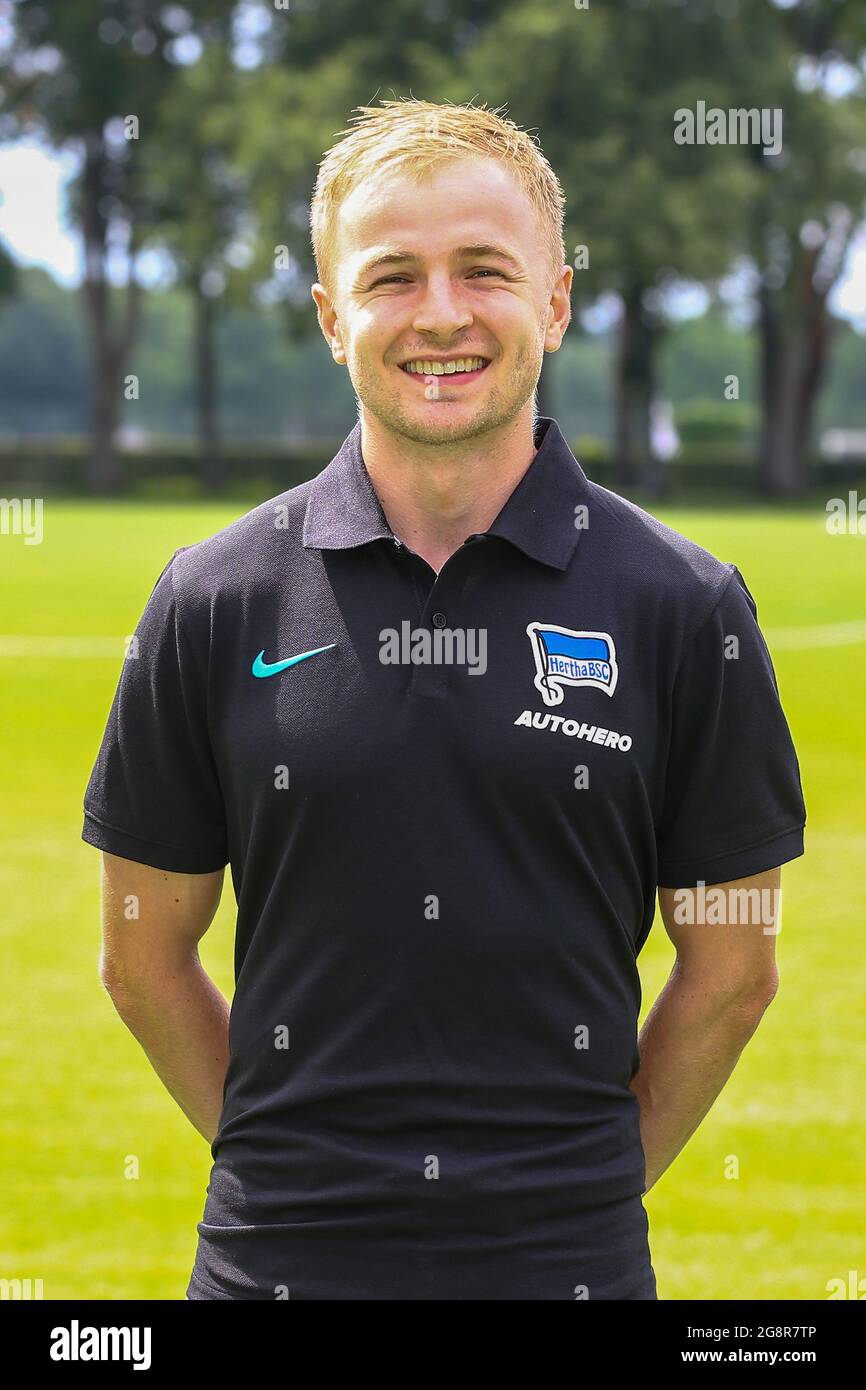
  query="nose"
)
[{"x": 442, "y": 311}]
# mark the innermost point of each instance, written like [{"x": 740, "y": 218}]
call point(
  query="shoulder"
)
[
  {"x": 245, "y": 554},
  {"x": 653, "y": 562}
]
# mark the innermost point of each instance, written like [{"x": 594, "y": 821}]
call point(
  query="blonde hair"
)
[{"x": 415, "y": 136}]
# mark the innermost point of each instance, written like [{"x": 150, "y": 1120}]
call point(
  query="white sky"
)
[{"x": 33, "y": 226}]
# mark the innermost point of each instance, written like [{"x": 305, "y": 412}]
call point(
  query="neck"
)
[{"x": 435, "y": 495}]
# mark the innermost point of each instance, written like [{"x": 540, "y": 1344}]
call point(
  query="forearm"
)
[
  {"x": 689, "y": 1046},
  {"x": 181, "y": 1021}
]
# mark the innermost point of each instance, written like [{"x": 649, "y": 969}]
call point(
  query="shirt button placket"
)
[{"x": 432, "y": 680}]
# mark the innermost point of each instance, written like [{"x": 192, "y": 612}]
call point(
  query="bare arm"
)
[
  {"x": 722, "y": 981},
  {"x": 152, "y": 922}
]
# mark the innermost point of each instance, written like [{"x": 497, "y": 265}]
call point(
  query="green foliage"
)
[
  {"x": 718, "y": 422},
  {"x": 43, "y": 366},
  {"x": 226, "y": 166},
  {"x": 602, "y": 88}
]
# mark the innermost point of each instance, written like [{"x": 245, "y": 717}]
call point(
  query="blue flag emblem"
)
[{"x": 565, "y": 657}]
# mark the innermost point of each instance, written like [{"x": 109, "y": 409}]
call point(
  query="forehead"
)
[{"x": 463, "y": 202}]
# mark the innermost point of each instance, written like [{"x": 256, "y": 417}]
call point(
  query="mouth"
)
[{"x": 456, "y": 371}]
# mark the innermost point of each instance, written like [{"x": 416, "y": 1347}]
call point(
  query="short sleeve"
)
[
  {"x": 154, "y": 794},
  {"x": 733, "y": 803}
]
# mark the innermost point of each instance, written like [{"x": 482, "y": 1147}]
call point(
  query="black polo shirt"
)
[{"x": 445, "y": 860}]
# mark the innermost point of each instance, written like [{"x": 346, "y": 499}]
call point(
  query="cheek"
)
[
  {"x": 375, "y": 332},
  {"x": 362, "y": 327},
  {"x": 512, "y": 318}
]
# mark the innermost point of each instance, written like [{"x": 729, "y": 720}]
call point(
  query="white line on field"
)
[
  {"x": 801, "y": 638},
  {"x": 778, "y": 639},
  {"x": 62, "y": 646}
]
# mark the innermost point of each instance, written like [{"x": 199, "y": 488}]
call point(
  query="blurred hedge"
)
[
  {"x": 58, "y": 467},
  {"x": 716, "y": 422}
]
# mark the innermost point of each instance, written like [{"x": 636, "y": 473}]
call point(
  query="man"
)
[{"x": 452, "y": 713}]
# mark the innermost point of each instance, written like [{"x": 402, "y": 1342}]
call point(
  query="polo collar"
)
[{"x": 539, "y": 518}]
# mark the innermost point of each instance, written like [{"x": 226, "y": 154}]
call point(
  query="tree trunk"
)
[
  {"x": 102, "y": 474},
  {"x": 109, "y": 348},
  {"x": 206, "y": 389},
  {"x": 633, "y": 393},
  {"x": 795, "y": 336}
]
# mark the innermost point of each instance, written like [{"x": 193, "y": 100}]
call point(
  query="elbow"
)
[
  {"x": 756, "y": 997},
  {"x": 115, "y": 990},
  {"x": 106, "y": 970},
  {"x": 116, "y": 983},
  {"x": 769, "y": 987}
]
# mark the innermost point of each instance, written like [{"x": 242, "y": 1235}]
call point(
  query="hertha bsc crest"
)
[{"x": 565, "y": 657}]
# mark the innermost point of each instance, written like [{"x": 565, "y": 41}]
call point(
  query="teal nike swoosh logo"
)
[{"x": 265, "y": 668}]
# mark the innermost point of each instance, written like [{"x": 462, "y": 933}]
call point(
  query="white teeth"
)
[{"x": 463, "y": 364}]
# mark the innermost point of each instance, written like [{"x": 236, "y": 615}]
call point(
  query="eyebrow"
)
[{"x": 483, "y": 249}]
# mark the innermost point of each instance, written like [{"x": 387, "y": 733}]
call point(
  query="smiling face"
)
[{"x": 450, "y": 270}]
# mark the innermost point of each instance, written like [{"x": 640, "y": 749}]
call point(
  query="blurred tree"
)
[
  {"x": 200, "y": 211},
  {"x": 807, "y": 61},
  {"x": 301, "y": 95},
  {"x": 43, "y": 375},
  {"x": 8, "y": 274},
  {"x": 602, "y": 86},
  {"x": 237, "y": 100},
  {"x": 92, "y": 77}
]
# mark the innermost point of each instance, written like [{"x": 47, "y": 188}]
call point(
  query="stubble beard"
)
[{"x": 500, "y": 405}]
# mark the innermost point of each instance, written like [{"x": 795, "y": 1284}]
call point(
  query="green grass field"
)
[{"x": 80, "y": 1100}]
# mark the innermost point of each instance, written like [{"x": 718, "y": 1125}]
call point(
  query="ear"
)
[
  {"x": 559, "y": 310},
  {"x": 329, "y": 323}
]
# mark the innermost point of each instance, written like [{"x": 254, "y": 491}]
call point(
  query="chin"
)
[{"x": 460, "y": 425}]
